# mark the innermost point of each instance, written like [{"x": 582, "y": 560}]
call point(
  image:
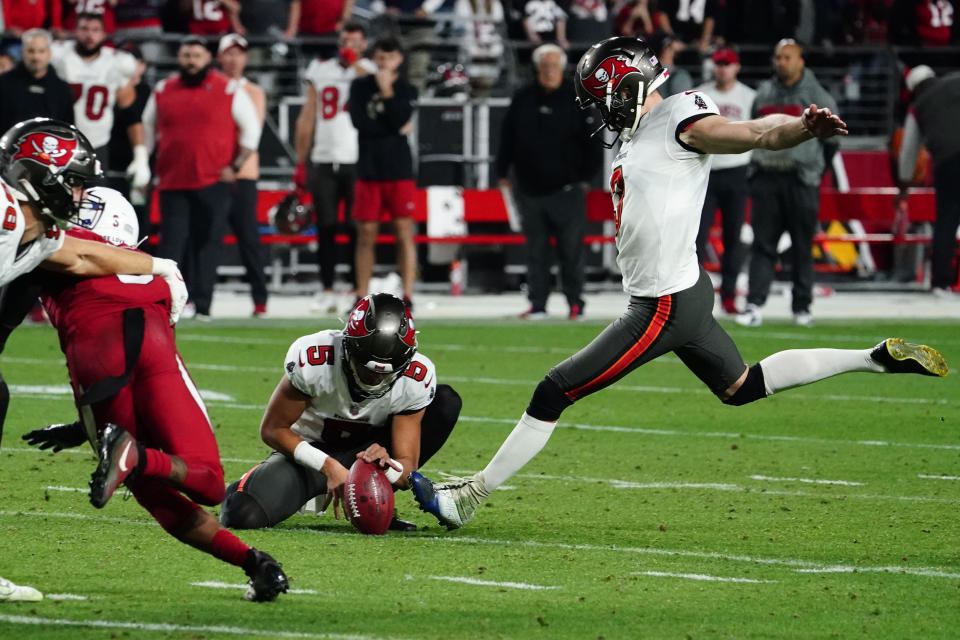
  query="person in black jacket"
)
[
  {"x": 381, "y": 105},
  {"x": 33, "y": 88},
  {"x": 546, "y": 140}
]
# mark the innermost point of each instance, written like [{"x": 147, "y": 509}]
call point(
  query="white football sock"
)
[
  {"x": 524, "y": 442},
  {"x": 797, "y": 367}
]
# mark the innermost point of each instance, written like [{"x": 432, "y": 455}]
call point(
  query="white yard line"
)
[
  {"x": 845, "y": 483},
  {"x": 928, "y": 573},
  {"x": 172, "y": 628},
  {"x": 47, "y": 391},
  {"x": 63, "y": 596},
  {"x": 927, "y": 476},
  {"x": 700, "y": 576},
  {"x": 490, "y": 583},
  {"x": 227, "y": 585},
  {"x": 454, "y": 539}
]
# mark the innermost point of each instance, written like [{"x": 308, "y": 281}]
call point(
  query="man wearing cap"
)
[
  {"x": 932, "y": 118},
  {"x": 232, "y": 56},
  {"x": 727, "y": 189},
  {"x": 204, "y": 130},
  {"x": 786, "y": 187}
]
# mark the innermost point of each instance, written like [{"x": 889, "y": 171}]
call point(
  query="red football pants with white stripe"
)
[{"x": 160, "y": 406}]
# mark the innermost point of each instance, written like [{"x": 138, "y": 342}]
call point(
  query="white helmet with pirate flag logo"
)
[
  {"x": 379, "y": 342},
  {"x": 48, "y": 163},
  {"x": 616, "y": 76}
]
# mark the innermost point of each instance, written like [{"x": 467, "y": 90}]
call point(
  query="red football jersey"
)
[
  {"x": 71, "y": 302},
  {"x": 208, "y": 18},
  {"x": 73, "y": 8}
]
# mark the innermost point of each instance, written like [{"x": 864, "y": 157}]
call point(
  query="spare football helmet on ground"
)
[
  {"x": 379, "y": 342},
  {"x": 616, "y": 75},
  {"x": 44, "y": 161},
  {"x": 293, "y": 214},
  {"x": 111, "y": 216}
]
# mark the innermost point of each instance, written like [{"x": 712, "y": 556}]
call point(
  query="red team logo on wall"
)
[{"x": 46, "y": 149}]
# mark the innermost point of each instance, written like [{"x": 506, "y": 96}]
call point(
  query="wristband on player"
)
[
  {"x": 392, "y": 474},
  {"x": 309, "y": 456}
]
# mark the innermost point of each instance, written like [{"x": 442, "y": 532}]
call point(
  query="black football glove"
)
[{"x": 58, "y": 436}]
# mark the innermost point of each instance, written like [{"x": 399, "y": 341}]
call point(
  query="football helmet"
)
[
  {"x": 43, "y": 161},
  {"x": 616, "y": 76},
  {"x": 379, "y": 342},
  {"x": 108, "y": 214},
  {"x": 293, "y": 214}
]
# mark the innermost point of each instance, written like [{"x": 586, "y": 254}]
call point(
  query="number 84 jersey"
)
[
  {"x": 314, "y": 365},
  {"x": 334, "y": 136},
  {"x": 658, "y": 186},
  {"x": 95, "y": 84}
]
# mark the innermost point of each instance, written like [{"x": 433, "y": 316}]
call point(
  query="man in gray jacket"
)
[{"x": 786, "y": 187}]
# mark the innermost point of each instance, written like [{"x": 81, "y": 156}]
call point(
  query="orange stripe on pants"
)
[{"x": 659, "y": 320}]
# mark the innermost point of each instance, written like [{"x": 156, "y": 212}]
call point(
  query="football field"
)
[{"x": 654, "y": 511}]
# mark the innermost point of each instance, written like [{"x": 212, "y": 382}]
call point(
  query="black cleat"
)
[
  {"x": 396, "y": 524},
  {"x": 120, "y": 457},
  {"x": 267, "y": 579},
  {"x": 899, "y": 356}
]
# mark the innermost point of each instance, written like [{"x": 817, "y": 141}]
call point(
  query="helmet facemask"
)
[{"x": 370, "y": 379}]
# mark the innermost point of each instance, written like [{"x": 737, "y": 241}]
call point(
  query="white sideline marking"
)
[
  {"x": 63, "y": 596},
  {"x": 199, "y": 337},
  {"x": 490, "y": 583},
  {"x": 846, "y": 483},
  {"x": 710, "y": 555},
  {"x": 169, "y": 628},
  {"x": 700, "y": 576},
  {"x": 227, "y": 585},
  {"x": 721, "y": 434},
  {"x": 933, "y": 477},
  {"x": 58, "y": 390},
  {"x": 929, "y": 573},
  {"x": 66, "y": 489}
]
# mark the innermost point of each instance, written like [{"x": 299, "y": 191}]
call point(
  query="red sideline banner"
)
[{"x": 873, "y": 204}]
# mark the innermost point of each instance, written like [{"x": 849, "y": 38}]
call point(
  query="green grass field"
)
[{"x": 654, "y": 511}]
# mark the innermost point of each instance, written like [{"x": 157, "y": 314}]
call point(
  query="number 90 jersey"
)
[
  {"x": 314, "y": 366},
  {"x": 16, "y": 260},
  {"x": 95, "y": 84},
  {"x": 334, "y": 136},
  {"x": 658, "y": 186}
]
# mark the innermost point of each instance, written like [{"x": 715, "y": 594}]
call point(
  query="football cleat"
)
[
  {"x": 803, "y": 319},
  {"x": 120, "y": 456},
  {"x": 454, "y": 502},
  {"x": 899, "y": 356},
  {"x": 729, "y": 306},
  {"x": 751, "y": 317},
  {"x": 267, "y": 579},
  {"x": 396, "y": 524},
  {"x": 10, "y": 592}
]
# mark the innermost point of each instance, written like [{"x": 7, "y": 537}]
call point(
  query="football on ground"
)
[{"x": 368, "y": 498}]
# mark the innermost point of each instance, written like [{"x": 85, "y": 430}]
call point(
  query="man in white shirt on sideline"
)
[
  {"x": 727, "y": 189},
  {"x": 327, "y": 151}
]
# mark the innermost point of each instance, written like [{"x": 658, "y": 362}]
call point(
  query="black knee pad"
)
[
  {"x": 548, "y": 401},
  {"x": 242, "y": 511},
  {"x": 4, "y": 403},
  {"x": 752, "y": 388},
  {"x": 448, "y": 404}
]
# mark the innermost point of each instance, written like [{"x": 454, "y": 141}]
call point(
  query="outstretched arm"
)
[{"x": 716, "y": 134}]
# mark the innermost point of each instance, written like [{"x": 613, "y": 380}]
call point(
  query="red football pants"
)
[{"x": 160, "y": 406}]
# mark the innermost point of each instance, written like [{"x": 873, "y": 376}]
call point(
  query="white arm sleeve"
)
[
  {"x": 149, "y": 120},
  {"x": 248, "y": 122},
  {"x": 909, "y": 147}
]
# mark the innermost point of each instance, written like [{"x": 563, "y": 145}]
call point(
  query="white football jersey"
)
[
  {"x": 16, "y": 260},
  {"x": 334, "y": 136},
  {"x": 314, "y": 365},
  {"x": 736, "y": 105},
  {"x": 94, "y": 84},
  {"x": 658, "y": 187}
]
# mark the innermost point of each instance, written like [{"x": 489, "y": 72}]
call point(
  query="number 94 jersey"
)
[
  {"x": 95, "y": 84},
  {"x": 658, "y": 185},
  {"x": 314, "y": 365}
]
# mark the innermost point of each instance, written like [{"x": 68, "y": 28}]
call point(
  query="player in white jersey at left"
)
[
  {"x": 658, "y": 183},
  {"x": 327, "y": 150},
  {"x": 44, "y": 167},
  {"x": 100, "y": 77},
  {"x": 365, "y": 392}
]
